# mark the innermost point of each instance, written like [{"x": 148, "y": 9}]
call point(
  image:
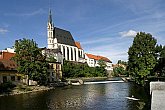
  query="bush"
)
[{"x": 6, "y": 87}]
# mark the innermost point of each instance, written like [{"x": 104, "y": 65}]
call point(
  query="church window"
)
[
  {"x": 71, "y": 54},
  {"x": 64, "y": 51},
  {"x": 75, "y": 54},
  {"x": 52, "y": 34},
  {"x": 79, "y": 54},
  {"x": 67, "y": 52},
  {"x": 59, "y": 47}
]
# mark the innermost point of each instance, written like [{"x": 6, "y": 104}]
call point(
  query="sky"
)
[{"x": 103, "y": 27}]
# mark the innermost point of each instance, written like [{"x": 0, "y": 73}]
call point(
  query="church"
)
[{"x": 62, "y": 40}]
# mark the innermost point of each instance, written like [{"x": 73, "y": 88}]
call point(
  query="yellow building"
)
[{"x": 55, "y": 72}]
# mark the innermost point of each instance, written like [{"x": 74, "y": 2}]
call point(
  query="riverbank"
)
[
  {"x": 23, "y": 89},
  {"x": 26, "y": 89}
]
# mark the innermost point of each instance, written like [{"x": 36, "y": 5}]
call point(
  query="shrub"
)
[{"x": 6, "y": 87}]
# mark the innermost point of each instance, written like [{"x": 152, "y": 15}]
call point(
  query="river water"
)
[{"x": 109, "y": 96}]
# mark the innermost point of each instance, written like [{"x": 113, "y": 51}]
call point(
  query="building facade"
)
[
  {"x": 55, "y": 72},
  {"x": 8, "y": 72},
  {"x": 53, "y": 53},
  {"x": 93, "y": 61},
  {"x": 62, "y": 39}
]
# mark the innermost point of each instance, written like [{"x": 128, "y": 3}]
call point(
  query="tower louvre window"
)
[{"x": 52, "y": 34}]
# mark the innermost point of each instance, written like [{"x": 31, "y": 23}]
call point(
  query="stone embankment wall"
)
[{"x": 157, "y": 91}]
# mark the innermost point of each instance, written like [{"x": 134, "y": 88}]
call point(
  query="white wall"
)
[
  {"x": 90, "y": 62},
  {"x": 94, "y": 63},
  {"x": 74, "y": 50}
]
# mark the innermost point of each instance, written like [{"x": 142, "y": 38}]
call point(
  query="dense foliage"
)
[
  {"x": 30, "y": 60},
  {"x": 160, "y": 66},
  {"x": 122, "y": 62},
  {"x": 120, "y": 69},
  {"x": 6, "y": 87},
  {"x": 142, "y": 57},
  {"x": 72, "y": 69},
  {"x": 102, "y": 63}
]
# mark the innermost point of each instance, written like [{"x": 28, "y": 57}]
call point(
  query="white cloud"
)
[
  {"x": 36, "y": 12},
  {"x": 130, "y": 33},
  {"x": 3, "y": 31},
  {"x": 40, "y": 11},
  {"x": 114, "y": 51}
]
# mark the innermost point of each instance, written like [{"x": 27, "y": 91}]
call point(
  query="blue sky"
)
[{"x": 104, "y": 27}]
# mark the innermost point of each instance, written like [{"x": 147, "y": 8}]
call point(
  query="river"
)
[{"x": 109, "y": 96}]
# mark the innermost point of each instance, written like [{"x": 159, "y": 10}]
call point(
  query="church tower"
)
[{"x": 50, "y": 29}]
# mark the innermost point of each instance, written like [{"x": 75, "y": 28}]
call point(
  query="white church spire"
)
[
  {"x": 50, "y": 29},
  {"x": 50, "y": 17}
]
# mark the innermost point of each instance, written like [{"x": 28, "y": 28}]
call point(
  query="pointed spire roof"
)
[{"x": 50, "y": 17}]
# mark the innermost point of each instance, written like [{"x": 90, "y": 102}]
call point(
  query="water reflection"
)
[{"x": 109, "y": 96}]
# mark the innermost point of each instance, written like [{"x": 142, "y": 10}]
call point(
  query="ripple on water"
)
[{"x": 109, "y": 96}]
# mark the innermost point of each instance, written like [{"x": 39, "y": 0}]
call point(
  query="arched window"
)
[
  {"x": 71, "y": 53},
  {"x": 64, "y": 51},
  {"x": 75, "y": 54},
  {"x": 68, "y": 53}
]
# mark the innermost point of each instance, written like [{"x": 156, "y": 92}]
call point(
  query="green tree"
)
[
  {"x": 30, "y": 60},
  {"x": 142, "y": 60},
  {"x": 162, "y": 61},
  {"x": 122, "y": 62},
  {"x": 160, "y": 66},
  {"x": 72, "y": 69},
  {"x": 102, "y": 63},
  {"x": 120, "y": 70},
  {"x": 51, "y": 59}
]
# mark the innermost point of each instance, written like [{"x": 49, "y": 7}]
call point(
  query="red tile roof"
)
[
  {"x": 96, "y": 57},
  {"x": 6, "y": 55},
  {"x": 78, "y": 45},
  {"x": 5, "y": 61},
  {"x": 7, "y": 65}
]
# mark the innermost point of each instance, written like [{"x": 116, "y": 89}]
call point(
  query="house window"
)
[
  {"x": 51, "y": 66},
  {"x": 52, "y": 79},
  {"x": 12, "y": 78},
  {"x": 19, "y": 78},
  {"x": 58, "y": 67},
  {"x": 4, "y": 79}
]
